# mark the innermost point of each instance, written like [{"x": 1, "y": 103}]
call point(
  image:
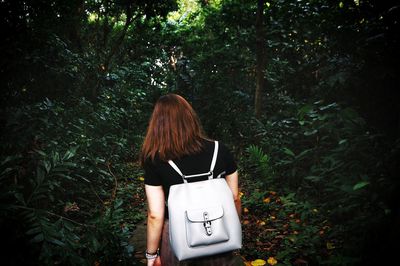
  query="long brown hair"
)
[{"x": 174, "y": 130}]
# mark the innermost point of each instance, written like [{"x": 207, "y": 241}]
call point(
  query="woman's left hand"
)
[{"x": 154, "y": 262}]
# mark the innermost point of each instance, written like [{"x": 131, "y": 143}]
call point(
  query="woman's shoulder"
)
[
  {"x": 152, "y": 162},
  {"x": 209, "y": 144}
]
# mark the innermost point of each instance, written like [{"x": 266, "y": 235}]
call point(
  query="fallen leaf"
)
[
  {"x": 272, "y": 261},
  {"x": 258, "y": 262},
  {"x": 329, "y": 245}
]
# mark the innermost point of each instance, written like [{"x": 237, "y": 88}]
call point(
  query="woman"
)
[{"x": 175, "y": 133}]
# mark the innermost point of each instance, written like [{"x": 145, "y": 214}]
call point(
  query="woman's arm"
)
[
  {"x": 233, "y": 183},
  {"x": 155, "y": 217}
]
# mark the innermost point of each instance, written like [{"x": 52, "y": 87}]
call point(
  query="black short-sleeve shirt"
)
[{"x": 160, "y": 173}]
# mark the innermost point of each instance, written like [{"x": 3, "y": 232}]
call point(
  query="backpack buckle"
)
[
  {"x": 210, "y": 175},
  {"x": 207, "y": 224}
]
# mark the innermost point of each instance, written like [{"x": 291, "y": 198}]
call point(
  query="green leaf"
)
[
  {"x": 83, "y": 178},
  {"x": 304, "y": 110},
  {"x": 9, "y": 159},
  {"x": 288, "y": 152},
  {"x": 20, "y": 198},
  {"x": 328, "y": 106},
  {"x": 70, "y": 153},
  {"x": 56, "y": 242},
  {"x": 47, "y": 166},
  {"x": 313, "y": 178},
  {"x": 34, "y": 231},
  {"x": 303, "y": 153},
  {"x": 64, "y": 176},
  {"x": 41, "y": 152},
  {"x": 309, "y": 133},
  {"x": 360, "y": 185},
  {"x": 5, "y": 172},
  {"x": 104, "y": 172},
  {"x": 38, "y": 238},
  {"x": 69, "y": 164},
  {"x": 118, "y": 203}
]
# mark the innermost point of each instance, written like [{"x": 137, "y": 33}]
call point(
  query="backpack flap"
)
[
  {"x": 197, "y": 216},
  {"x": 206, "y": 226}
]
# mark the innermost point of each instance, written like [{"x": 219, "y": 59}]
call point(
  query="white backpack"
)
[{"x": 203, "y": 219}]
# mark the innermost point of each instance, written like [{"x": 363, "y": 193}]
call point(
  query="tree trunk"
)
[{"x": 260, "y": 57}]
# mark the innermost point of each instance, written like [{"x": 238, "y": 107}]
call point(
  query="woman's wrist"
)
[{"x": 152, "y": 255}]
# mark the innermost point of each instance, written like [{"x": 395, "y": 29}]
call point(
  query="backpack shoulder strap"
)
[
  {"x": 210, "y": 173},
  {"x": 215, "y": 155},
  {"x": 176, "y": 168}
]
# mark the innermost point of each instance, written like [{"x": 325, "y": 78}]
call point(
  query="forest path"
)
[{"x": 138, "y": 240}]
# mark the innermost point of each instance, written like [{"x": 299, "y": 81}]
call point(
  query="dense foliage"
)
[{"x": 318, "y": 168}]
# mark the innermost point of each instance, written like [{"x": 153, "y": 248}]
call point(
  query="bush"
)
[{"x": 63, "y": 184}]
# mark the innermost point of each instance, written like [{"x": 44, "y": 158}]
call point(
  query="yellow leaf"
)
[
  {"x": 272, "y": 261},
  {"x": 245, "y": 210},
  {"x": 329, "y": 245},
  {"x": 141, "y": 178},
  {"x": 258, "y": 262},
  {"x": 241, "y": 194},
  {"x": 341, "y": 4},
  {"x": 262, "y": 223},
  {"x": 267, "y": 200}
]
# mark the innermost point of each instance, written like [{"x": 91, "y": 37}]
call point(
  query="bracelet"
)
[{"x": 151, "y": 256}]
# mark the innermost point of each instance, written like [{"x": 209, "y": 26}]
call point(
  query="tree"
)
[{"x": 260, "y": 57}]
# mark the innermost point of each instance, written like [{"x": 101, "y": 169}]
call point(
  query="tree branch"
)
[
  {"x": 52, "y": 214},
  {"x": 117, "y": 44},
  {"x": 114, "y": 192}
]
